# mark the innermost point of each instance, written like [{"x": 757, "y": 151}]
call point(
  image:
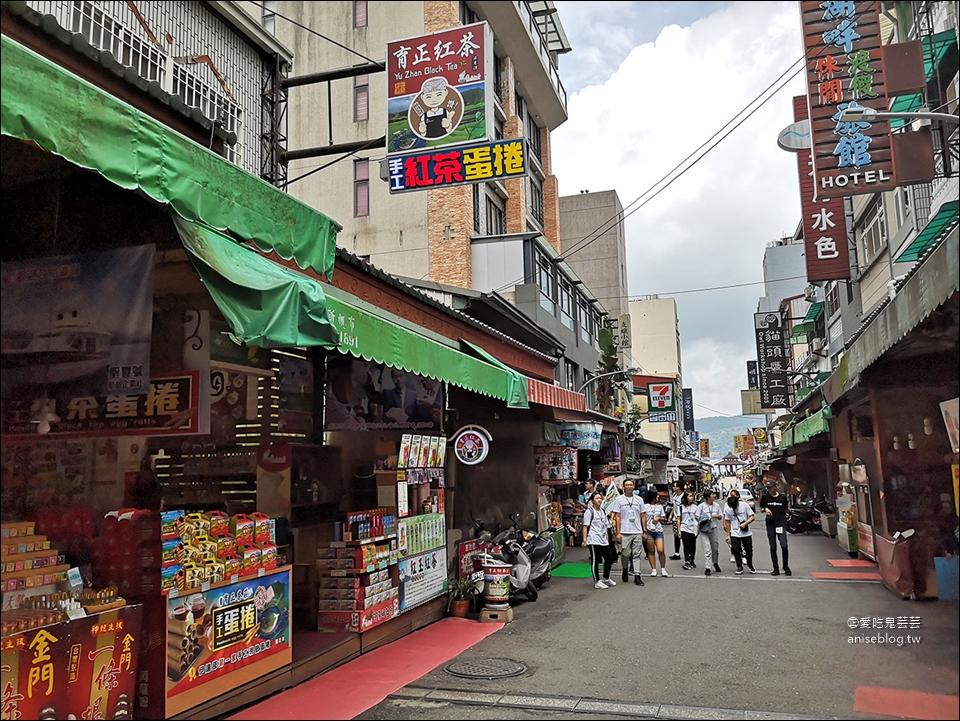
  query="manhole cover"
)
[{"x": 485, "y": 668}]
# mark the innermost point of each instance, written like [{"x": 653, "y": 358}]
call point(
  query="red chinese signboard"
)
[
  {"x": 84, "y": 669},
  {"x": 457, "y": 166},
  {"x": 844, "y": 69},
  {"x": 827, "y": 253}
]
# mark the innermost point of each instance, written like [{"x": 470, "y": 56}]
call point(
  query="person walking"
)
[
  {"x": 737, "y": 518},
  {"x": 676, "y": 498},
  {"x": 774, "y": 505},
  {"x": 688, "y": 529},
  {"x": 596, "y": 535},
  {"x": 630, "y": 519},
  {"x": 655, "y": 517},
  {"x": 734, "y": 493},
  {"x": 709, "y": 515}
]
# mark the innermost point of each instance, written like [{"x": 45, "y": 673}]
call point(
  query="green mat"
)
[{"x": 573, "y": 570}]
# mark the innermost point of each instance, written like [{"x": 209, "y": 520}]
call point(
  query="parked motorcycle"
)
[
  {"x": 529, "y": 555},
  {"x": 805, "y": 517}
]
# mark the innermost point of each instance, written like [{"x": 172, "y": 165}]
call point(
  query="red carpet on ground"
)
[
  {"x": 846, "y": 575},
  {"x": 851, "y": 563},
  {"x": 362, "y": 683},
  {"x": 905, "y": 704}
]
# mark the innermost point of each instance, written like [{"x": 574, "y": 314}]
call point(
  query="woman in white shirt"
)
[
  {"x": 688, "y": 530},
  {"x": 656, "y": 516},
  {"x": 709, "y": 530},
  {"x": 596, "y": 536}
]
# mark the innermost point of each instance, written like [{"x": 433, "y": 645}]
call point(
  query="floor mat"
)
[
  {"x": 846, "y": 575},
  {"x": 354, "y": 687},
  {"x": 851, "y": 563},
  {"x": 905, "y": 704},
  {"x": 573, "y": 570}
]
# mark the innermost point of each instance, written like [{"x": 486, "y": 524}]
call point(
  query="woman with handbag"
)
[
  {"x": 709, "y": 515},
  {"x": 688, "y": 530},
  {"x": 597, "y": 536},
  {"x": 653, "y": 537}
]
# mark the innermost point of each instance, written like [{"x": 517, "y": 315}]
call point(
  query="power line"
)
[{"x": 700, "y": 290}]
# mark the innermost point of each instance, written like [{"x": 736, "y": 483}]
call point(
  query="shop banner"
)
[
  {"x": 467, "y": 553},
  {"x": 555, "y": 465},
  {"x": 689, "y": 423},
  {"x": 773, "y": 358},
  {"x": 422, "y": 578},
  {"x": 169, "y": 408},
  {"x": 214, "y": 632},
  {"x": 660, "y": 397},
  {"x": 364, "y": 395},
  {"x": 582, "y": 436},
  {"x": 82, "y": 669},
  {"x": 77, "y": 325},
  {"x": 457, "y": 166}
]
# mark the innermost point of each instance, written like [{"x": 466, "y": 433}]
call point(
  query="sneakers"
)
[
  {"x": 775, "y": 572},
  {"x": 663, "y": 573},
  {"x": 609, "y": 582},
  {"x": 739, "y": 572},
  {"x": 733, "y": 559},
  {"x": 716, "y": 567},
  {"x": 787, "y": 571},
  {"x": 706, "y": 572},
  {"x": 675, "y": 557},
  {"x": 752, "y": 569},
  {"x": 600, "y": 584},
  {"x": 692, "y": 564},
  {"x": 625, "y": 576},
  {"x": 687, "y": 567},
  {"x": 637, "y": 580},
  {"x": 653, "y": 573}
]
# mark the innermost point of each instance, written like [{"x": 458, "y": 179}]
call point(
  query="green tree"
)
[{"x": 608, "y": 363}]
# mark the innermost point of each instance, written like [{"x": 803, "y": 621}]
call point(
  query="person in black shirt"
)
[{"x": 774, "y": 505}]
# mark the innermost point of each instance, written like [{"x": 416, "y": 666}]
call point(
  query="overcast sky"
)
[{"x": 647, "y": 84}]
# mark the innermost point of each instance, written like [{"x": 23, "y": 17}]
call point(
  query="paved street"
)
[{"x": 692, "y": 647}]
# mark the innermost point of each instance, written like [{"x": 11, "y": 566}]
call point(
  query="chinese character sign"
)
[
  {"x": 826, "y": 253},
  {"x": 688, "y": 421},
  {"x": 457, "y": 166},
  {"x": 623, "y": 331},
  {"x": 753, "y": 380},
  {"x": 704, "y": 447},
  {"x": 844, "y": 69},
  {"x": 440, "y": 89},
  {"x": 773, "y": 359}
]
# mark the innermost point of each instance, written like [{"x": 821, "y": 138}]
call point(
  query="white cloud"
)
[{"x": 709, "y": 228}]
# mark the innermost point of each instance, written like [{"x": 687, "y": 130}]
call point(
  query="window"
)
[
  {"x": 496, "y": 218},
  {"x": 546, "y": 282},
  {"x": 873, "y": 234},
  {"x": 532, "y": 132},
  {"x": 536, "y": 200},
  {"x": 566, "y": 302},
  {"x": 497, "y": 79},
  {"x": 476, "y": 208},
  {"x": 833, "y": 299},
  {"x": 361, "y": 98},
  {"x": 361, "y": 188},
  {"x": 570, "y": 379},
  {"x": 467, "y": 16},
  {"x": 360, "y": 14},
  {"x": 585, "y": 319},
  {"x": 497, "y": 129},
  {"x": 901, "y": 205},
  {"x": 268, "y": 16}
]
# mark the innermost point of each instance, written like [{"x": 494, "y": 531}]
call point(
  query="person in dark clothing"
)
[{"x": 774, "y": 505}]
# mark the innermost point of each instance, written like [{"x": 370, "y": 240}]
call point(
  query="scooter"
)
[
  {"x": 508, "y": 548},
  {"x": 806, "y": 517},
  {"x": 539, "y": 547}
]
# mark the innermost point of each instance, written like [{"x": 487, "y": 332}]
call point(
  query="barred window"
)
[
  {"x": 360, "y": 14},
  {"x": 361, "y": 188},
  {"x": 361, "y": 98}
]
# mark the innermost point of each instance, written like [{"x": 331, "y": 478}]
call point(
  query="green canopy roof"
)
[
  {"x": 814, "y": 312},
  {"x": 935, "y": 48},
  {"x": 68, "y": 116},
  {"x": 939, "y": 225}
]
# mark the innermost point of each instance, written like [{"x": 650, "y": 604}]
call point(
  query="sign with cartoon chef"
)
[
  {"x": 440, "y": 89},
  {"x": 471, "y": 445}
]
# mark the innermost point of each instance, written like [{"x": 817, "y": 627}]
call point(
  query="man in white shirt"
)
[
  {"x": 737, "y": 517},
  {"x": 629, "y": 523},
  {"x": 676, "y": 500}
]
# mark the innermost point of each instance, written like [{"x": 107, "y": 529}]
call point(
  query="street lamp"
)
[
  {"x": 631, "y": 371},
  {"x": 868, "y": 115}
]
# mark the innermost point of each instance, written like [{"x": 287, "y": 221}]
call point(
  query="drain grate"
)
[{"x": 486, "y": 668}]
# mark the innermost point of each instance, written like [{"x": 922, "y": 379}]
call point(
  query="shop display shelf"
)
[
  {"x": 229, "y": 581},
  {"x": 343, "y": 572},
  {"x": 362, "y": 541}
]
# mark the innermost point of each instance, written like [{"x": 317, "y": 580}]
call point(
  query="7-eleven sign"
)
[{"x": 661, "y": 397}]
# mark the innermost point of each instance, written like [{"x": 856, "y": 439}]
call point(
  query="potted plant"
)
[{"x": 460, "y": 595}]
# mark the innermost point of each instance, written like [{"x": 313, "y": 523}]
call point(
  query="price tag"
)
[
  {"x": 74, "y": 613},
  {"x": 234, "y": 578},
  {"x": 174, "y": 592},
  {"x": 205, "y": 586},
  {"x": 260, "y": 573},
  {"x": 73, "y": 576}
]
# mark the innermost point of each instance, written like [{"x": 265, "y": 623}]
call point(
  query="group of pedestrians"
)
[{"x": 636, "y": 524}]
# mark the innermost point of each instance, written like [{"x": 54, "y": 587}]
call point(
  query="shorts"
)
[{"x": 655, "y": 535}]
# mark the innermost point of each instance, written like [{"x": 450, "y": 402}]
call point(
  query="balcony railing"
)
[{"x": 543, "y": 50}]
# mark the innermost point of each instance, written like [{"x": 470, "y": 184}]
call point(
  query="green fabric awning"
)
[
  {"x": 272, "y": 306},
  {"x": 265, "y": 304},
  {"x": 66, "y": 115},
  {"x": 814, "y": 312},
  {"x": 803, "y": 328},
  {"x": 940, "y": 224},
  {"x": 517, "y": 390}
]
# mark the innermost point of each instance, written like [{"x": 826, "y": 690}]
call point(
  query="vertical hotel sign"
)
[
  {"x": 842, "y": 49},
  {"x": 826, "y": 251},
  {"x": 772, "y": 359}
]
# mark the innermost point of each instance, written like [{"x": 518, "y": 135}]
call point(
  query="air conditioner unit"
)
[
  {"x": 817, "y": 344},
  {"x": 810, "y": 293}
]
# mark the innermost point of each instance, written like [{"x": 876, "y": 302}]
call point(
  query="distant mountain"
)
[{"x": 721, "y": 430}]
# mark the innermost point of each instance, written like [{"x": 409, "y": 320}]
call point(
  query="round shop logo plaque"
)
[{"x": 471, "y": 447}]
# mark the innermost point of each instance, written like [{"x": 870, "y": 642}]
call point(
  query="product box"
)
[
  {"x": 243, "y": 528},
  {"x": 334, "y": 564},
  {"x": 219, "y": 523},
  {"x": 192, "y": 554},
  {"x": 232, "y": 566},
  {"x": 268, "y": 555},
  {"x": 250, "y": 556},
  {"x": 334, "y": 583},
  {"x": 200, "y": 522},
  {"x": 17, "y": 530},
  {"x": 226, "y": 546},
  {"x": 328, "y": 552},
  {"x": 209, "y": 548},
  {"x": 172, "y": 577},
  {"x": 195, "y": 574},
  {"x": 172, "y": 552},
  {"x": 214, "y": 571},
  {"x": 261, "y": 529},
  {"x": 172, "y": 524}
]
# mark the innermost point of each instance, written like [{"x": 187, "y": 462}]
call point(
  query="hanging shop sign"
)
[
  {"x": 623, "y": 331},
  {"x": 844, "y": 69},
  {"x": 422, "y": 578},
  {"x": 85, "y": 668},
  {"x": 582, "y": 436},
  {"x": 169, "y": 408},
  {"x": 753, "y": 378},
  {"x": 668, "y": 417},
  {"x": 704, "y": 447},
  {"x": 364, "y": 395},
  {"x": 773, "y": 356},
  {"x": 688, "y": 421},
  {"x": 426, "y": 170},
  {"x": 760, "y": 435},
  {"x": 826, "y": 250},
  {"x": 661, "y": 397},
  {"x": 440, "y": 89},
  {"x": 471, "y": 445},
  {"x": 64, "y": 333}
]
